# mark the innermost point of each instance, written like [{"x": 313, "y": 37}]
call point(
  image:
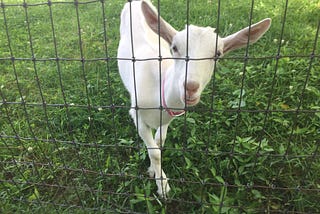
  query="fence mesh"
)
[{"x": 68, "y": 144}]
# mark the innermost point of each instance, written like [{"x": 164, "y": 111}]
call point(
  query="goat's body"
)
[{"x": 142, "y": 80}]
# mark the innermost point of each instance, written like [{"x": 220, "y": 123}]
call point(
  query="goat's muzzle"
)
[{"x": 191, "y": 93}]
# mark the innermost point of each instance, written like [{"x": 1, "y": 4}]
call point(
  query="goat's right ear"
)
[{"x": 156, "y": 23}]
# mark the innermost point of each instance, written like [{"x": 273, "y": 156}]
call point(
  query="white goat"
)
[{"x": 162, "y": 87}]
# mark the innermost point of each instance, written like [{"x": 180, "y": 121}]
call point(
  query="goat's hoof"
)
[
  {"x": 151, "y": 172},
  {"x": 164, "y": 191}
]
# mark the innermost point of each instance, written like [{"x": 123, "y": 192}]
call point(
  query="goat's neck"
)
[{"x": 171, "y": 89}]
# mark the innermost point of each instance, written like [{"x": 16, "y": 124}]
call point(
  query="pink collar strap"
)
[{"x": 164, "y": 104}]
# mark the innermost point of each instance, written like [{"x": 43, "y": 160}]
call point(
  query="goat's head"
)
[
  {"x": 194, "y": 60},
  {"x": 196, "y": 49}
]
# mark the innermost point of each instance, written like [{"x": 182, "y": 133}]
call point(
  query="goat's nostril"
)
[{"x": 192, "y": 86}]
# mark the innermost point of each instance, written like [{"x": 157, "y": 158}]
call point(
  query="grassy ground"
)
[{"x": 67, "y": 143}]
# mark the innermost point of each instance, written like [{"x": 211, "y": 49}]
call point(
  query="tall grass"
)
[{"x": 67, "y": 143}]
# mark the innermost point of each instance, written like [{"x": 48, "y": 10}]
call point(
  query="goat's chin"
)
[{"x": 192, "y": 101}]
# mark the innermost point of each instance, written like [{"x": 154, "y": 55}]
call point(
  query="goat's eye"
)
[{"x": 174, "y": 49}]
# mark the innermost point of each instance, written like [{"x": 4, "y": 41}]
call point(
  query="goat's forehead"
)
[{"x": 197, "y": 36}]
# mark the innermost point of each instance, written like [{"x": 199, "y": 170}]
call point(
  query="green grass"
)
[{"x": 87, "y": 157}]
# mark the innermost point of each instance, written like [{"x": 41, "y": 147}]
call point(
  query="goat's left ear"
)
[{"x": 240, "y": 38}]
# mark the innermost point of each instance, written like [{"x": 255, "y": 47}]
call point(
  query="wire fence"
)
[{"x": 68, "y": 144}]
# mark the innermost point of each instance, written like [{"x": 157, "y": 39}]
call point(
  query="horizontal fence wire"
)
[{"x": 67, "y": 143}]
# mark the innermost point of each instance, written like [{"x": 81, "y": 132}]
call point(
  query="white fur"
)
[{"x": 142, "y": 78}]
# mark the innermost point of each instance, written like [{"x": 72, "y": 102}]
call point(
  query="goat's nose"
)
[{"x": 192, "y": 87}]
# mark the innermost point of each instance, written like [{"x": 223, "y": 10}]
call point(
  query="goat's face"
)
[
  {"x": 194, "y": 73},
  {"x": 194, "y": 60}
]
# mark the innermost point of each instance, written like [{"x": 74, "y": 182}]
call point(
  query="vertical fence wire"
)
[
  {"x": 187, "y": 58},
  {"x": 239, "y": 107},
  {"x": 271, "y": 90},
  {"x": 81, "y": 175},
  {"x": 85, "y": 82},
  {"x": 36, "y": 76},
  {"x": 212, "y": 97},
  {"x": 108, "y": 67},
  {"x": 295, "y": 121},
  {"x": 161, "y": 77},
  {"x": 65, "y": 103},
  {"x": 298, "y": 110},
  {"x": 23, "y": 102},
  {"x": 133, "y": 59},
  {"x": 243, "y": 76}
]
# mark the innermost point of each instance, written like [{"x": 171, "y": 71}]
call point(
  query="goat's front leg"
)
[
  {"x": 154, "y": 153},
  {"x": 160, "y": 138},
  {"x": 161, "y": 135}
]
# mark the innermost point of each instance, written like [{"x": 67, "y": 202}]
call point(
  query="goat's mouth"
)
[{"x": 191, "y": 101}]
